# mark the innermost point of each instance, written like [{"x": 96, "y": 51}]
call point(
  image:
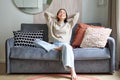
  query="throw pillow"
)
[
  {"x": 95, "y": 37},
  {"x": 26, "y": 38},
  {"x": 79, "y": 33}
]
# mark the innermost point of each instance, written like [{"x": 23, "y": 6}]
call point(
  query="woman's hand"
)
[{"x": 58, "y": 49}]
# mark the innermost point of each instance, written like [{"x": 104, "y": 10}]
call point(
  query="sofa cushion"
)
[
  {"x": 33, "y": 53},
  {"x": 41, "y": 54},
  {"x": 27, "y": 38},
  {"x": 91, "y": 53},
  {"x": 95, "y": 37}
]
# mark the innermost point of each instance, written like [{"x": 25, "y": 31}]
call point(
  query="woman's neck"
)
[{"x": 61, "y": 21}]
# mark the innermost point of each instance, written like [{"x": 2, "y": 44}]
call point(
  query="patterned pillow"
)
[
  {"x": 26, "y": 38},
  {"x": 95, "y": 37}
]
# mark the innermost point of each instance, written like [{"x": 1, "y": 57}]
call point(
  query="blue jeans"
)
[{"x": 67, "y": 51}]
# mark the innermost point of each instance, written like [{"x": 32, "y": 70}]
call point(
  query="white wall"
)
[
  {"x": 91, "y": 12},
  {"x": 10, "y": 20}
]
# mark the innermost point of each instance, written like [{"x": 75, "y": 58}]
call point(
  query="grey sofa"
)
[{"x": 37, "y": 60}]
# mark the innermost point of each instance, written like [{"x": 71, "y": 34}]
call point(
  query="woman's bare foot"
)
[{"x": 73, "y": 74}]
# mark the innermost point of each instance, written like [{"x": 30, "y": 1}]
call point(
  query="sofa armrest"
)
[
  {"x": 111, "y": 46},
  {"x": 9, "y": 43}
]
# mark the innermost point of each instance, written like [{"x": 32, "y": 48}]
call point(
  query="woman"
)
[{"x": 60, "y": 30}]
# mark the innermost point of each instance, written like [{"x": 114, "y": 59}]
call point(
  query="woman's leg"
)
[
  {"x": 68, "y": 60},
  {"x": 73, "y": 74},
  {"x": 47, "y": 46}
]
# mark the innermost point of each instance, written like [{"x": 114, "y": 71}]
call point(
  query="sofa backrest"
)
[
  {"x": 30, "y": 27},
  {"x": 95, "y": 24},
  {"x": 73, "y": 33},
  {"x": 36, "y": 27}
]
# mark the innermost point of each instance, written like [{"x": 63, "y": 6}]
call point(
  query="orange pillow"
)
[{"x": 79, "y": 34}]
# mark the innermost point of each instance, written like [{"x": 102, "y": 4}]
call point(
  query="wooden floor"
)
[{"x": 2, "y": 68}]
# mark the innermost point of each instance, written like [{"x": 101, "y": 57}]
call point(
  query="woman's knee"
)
[{"x": 66, "y": 46}]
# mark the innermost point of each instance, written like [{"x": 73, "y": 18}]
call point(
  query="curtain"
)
[
  {"x": 113, "y": 22},
  {"x": 118, "y": 30}
]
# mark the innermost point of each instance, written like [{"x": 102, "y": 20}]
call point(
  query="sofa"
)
[{"x": 37, "y": 60}]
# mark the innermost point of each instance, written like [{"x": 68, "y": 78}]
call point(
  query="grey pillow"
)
[{"x": 26, "y": 38}]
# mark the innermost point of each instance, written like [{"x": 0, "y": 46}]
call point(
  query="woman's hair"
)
[{"x": 66, "y": 15}]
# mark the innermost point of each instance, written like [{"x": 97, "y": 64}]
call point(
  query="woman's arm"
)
[
  {"x": 50, "y": 18},
  {"x": 73, "y": 19}
]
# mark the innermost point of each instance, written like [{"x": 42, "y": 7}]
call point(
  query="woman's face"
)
[{"x": 61, "y": 15}]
